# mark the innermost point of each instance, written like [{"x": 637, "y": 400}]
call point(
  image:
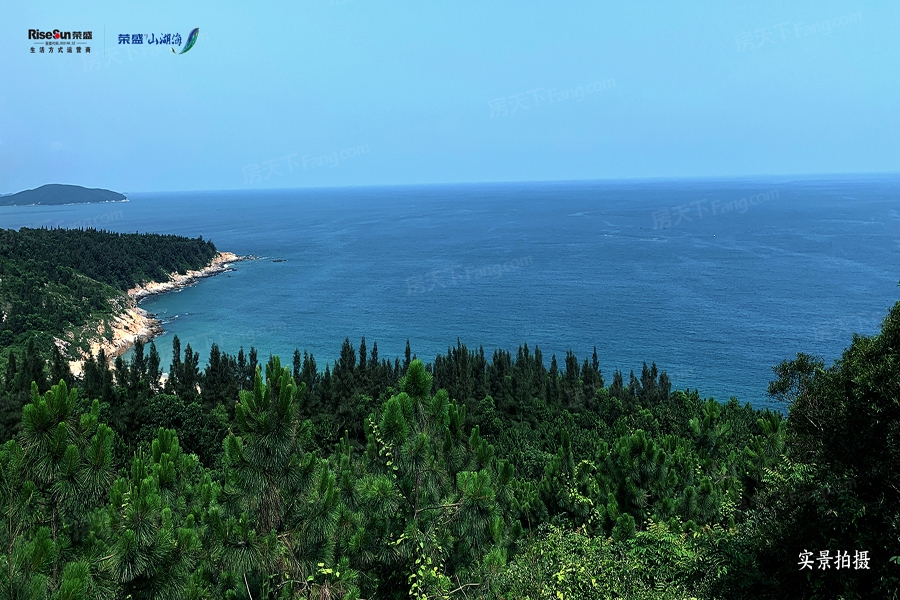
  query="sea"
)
[{"x": 716, "y": 281}]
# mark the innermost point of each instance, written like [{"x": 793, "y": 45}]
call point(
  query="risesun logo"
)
[{"x": 56, "y": 34}]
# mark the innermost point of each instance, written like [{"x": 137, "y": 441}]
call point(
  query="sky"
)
[{"x": 381, "y": 92}]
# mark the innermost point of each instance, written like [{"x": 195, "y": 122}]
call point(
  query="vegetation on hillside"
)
[
  {"x": 55, "y": 280},
  {"x": 466, "y": 478}
]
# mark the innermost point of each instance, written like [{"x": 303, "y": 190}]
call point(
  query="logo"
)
[
  {"x": 191, "y": 40},
  {"x": 59, "y": 42},
  {"x": 166, "y": 39},
  {"x": 56, "y": 34}
]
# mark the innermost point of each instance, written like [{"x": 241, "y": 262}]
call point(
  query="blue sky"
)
[{"x": 370, "y": 92}]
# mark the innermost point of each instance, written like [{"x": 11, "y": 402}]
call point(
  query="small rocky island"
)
[{"x": 58, "y": 193}]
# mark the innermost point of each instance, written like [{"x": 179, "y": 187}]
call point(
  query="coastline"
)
[
  {"x": 220, "y": 264},
  {"x": 130, "y": 323}
]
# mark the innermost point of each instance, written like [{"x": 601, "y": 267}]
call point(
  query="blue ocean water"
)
[{"x": 716, "y": 281}]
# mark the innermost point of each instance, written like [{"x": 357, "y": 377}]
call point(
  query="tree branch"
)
[
  {"x": 461, "y": 588},
  {"x": 247, "y": 586}
]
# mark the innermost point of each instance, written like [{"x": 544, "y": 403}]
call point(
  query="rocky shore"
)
[
  {"x": 132, "y": 323},
  {"x": 116, "y": 335},
  {"x": 219, "y": 264}
]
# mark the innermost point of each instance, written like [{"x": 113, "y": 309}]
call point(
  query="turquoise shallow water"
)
[{"x": 715, "y": 281}]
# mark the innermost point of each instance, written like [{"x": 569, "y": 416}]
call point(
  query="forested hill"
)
[
  {"x": 473, "y": 477},
  {"x": 120, "y": 260},
  {"x": 52, "y": 279},
  {"x": 57, "y": 193}
]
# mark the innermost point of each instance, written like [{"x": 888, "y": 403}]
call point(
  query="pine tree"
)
[
  {"x": 31, "y": 369},
  {"x": 617, "y": 387},
  {"x": 154, "y": 518},
  {"x": 121, "y": 372},
  {"x": 242, "y": 367},
  {"x": 373, "y": 358},
  {"x": 189, "y": 375},
  {"x": 220, "y": 381},
  {"x": 52, "y": 477},
  {"x": 153, "y": 372},
  {"x": 553, "y": 391},
  {"x": 172, "y": 383},
  {"x": 363, "y": 357},
  {"x": 275, "y": 484},
  {"x": 344, "y": 379},
  {"x": 98, "y": 379},
  {"x": 28, "y": 553},
  {"x": 297, "y": 364},
  {"x": 309, "y": 374},
  {"x": 430, "y": 495},
  {"x": 570, "y": 386},
  {"x": 69, "y": 455},
  {"x": 251, "y": 368},
  {"x": 10, "y": 401},
  {"x": 59, "y": 368},
  {"x": 9, "y": 378}
]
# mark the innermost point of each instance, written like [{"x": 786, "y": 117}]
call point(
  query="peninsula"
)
[
  {"x": 76, "y": 292},
  {"x": 128, "y": 322}
]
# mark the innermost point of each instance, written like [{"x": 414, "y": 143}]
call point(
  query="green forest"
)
[
  {"x": 472, "y": 476},
  {"x": 52, "y": 280}
]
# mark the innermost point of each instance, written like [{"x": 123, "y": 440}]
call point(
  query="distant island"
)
[{"x": 58, "y": 193}]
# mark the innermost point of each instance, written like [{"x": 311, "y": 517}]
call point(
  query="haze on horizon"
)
[{"x": 359, "y": 92}]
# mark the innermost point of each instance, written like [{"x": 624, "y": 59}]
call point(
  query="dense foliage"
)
[
  {"x": 55, "y": 279},
  {"x": 470, "y": 477}
]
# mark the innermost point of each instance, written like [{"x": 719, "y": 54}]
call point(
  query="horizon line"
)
[{"x": 655, "y": 179}]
